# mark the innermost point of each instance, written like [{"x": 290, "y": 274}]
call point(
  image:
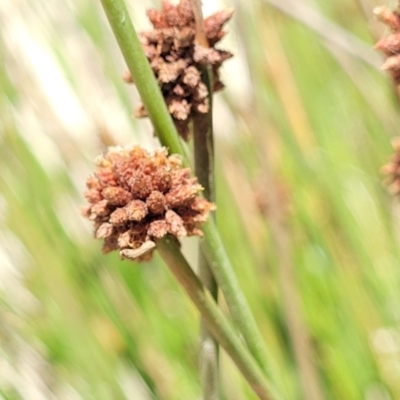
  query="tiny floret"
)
[{"x": 137, "y": 197}]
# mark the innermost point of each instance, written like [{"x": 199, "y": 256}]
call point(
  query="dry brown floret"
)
[{"x": 151, "y": 195}]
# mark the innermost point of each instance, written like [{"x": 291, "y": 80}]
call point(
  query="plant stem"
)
[
  {"x": 204, "y": 149},
  {"x": 208, "y": 348},
  {"x": 216, "y": 321},
  {"x": 142, "y": 74},
  {"x": 202, "y": 123},
  {"x": 204, "y": 170},
  {"x": 221, "y": 267},
  {"x": 201, "y": 37}
]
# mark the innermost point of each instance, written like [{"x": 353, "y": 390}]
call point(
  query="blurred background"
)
[{"x": 306, "y": 114}]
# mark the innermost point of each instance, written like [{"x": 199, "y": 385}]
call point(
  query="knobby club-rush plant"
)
[
  {"x": 182, "y": 54},
  {"x": 141, "y": 201}
]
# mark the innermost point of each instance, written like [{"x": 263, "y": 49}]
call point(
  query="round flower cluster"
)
[
  {"x": 136, "y": 197},
  {"x": 176, "y": 59}
]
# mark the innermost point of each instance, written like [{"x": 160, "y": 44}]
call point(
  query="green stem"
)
[
  {"x": 221, "y": 267},
  {"x": 142, "y": 74},
  {"x": 204, "y": 145},
  {"x": 204, "y": 170},
  {"x": 209, "y": 349},
  {"x": 217, "y": 323}
]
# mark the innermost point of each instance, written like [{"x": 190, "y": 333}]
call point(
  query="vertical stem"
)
[
  {"x": 204, "y": 144},
  {"x": 220, "y": 265},
  {"x": 204, "y": 169},
  {"x": 209, "y": 349},
  {"x": 201, "y": 37},
  {"x": 139, "y": 67},
  {"x": 216, "y": 322}
]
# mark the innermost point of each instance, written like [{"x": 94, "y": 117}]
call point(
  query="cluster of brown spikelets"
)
[
  {"x": 136, "y": 197},
  {"x": 390, "y": 45},
  {"x": 176, "y": 59}
]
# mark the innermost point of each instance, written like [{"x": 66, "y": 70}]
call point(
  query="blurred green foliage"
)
[{"x": 76, "y": 324}]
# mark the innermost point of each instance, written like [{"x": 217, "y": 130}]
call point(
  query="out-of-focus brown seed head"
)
[
  {"x": 176, "y": 59},
  {"x": 136, "y": 197},
  {"x": 390, "y": 45},
  {"x": 391, "y": 170},
  {"x": 263, "y": 198}
]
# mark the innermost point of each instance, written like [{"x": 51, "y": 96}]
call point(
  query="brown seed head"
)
[
  {"x": 268, "y": 202},
  {"x": 151, "y": 195},
  {"x": 177, "y": 60}
]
